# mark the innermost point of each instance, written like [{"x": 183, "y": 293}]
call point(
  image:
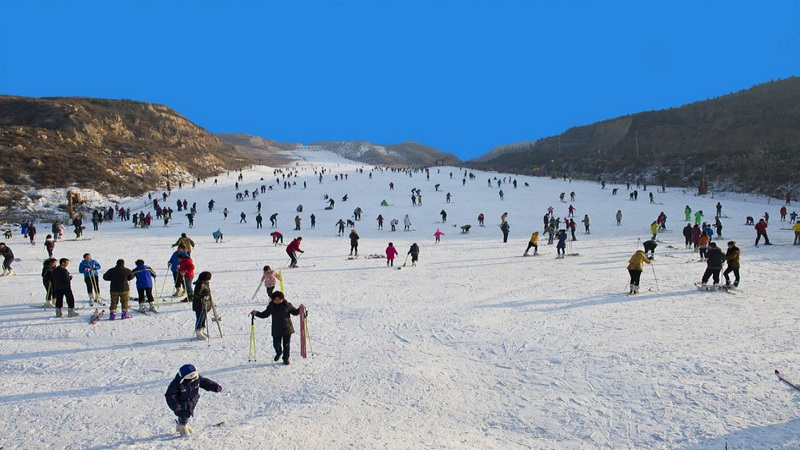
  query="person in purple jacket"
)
[
  {"x": 144, "y": 284},
  {"x": 184, "y": 392}
]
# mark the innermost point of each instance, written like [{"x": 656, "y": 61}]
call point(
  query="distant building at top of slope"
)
[{"x": 301, "y": 147}]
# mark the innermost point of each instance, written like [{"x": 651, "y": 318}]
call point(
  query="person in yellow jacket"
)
[
  {"x": 796, "y": 229},
  {"x": 654, "y": 229},
  {"x": 635, "y": 267},
  {"x": 534, "y": 242}
]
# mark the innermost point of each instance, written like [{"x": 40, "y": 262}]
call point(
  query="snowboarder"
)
[
  {"x": 270, "y": 279},
  {"x": 391, "y": 252},
  {"x": 62, "y": 287},
  {"x": 414, "y": 252},
  {"x": 438, "y": 235},
  {"x": 292, "y": 250},
  {"x": 119, "y": 276},
  {"x": 282, "y": 328},
  {"x": 184, "y": 392},
  {"x": 533, "y": 243},
  {"x": 635, "y": 268},
  {"x": 732, "y": 258},
  {"x": 201, "y": 303},
  {"x": 144, "y": 285}
]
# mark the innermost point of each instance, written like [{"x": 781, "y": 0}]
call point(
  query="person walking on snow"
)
[
  {"x": 406, "y": 223},
  {"x": 635, "y": 268},
  {"x": 183, "y": 394},
  {"x": 270, "y": 279},
  {"x": 438, "y": 235},
  {"x": 714, "y": 260},
  {"x": 687, "y": 235},
  {"x": 505, "y": 228},
  {"x": 282, "y": 327},
  {"x": 414, "y": 252},
  {"x": 586, "y": 223},
  {"x": 391, "y": 252},
  {"x": 619, "y": 217},
  {"x": 201, "y": 304},
  {"x": 353, "y": 242},
  {"x": 119, "y": 276}
]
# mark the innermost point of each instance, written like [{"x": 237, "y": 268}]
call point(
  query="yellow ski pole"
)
[
  {"x": 251, "y": 357},
  {"x": 280, "y": 278}
]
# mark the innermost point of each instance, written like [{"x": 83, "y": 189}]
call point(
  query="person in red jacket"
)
[
  {"x": 292, "y": 250},
  {"x": 186, "y": 271},
  {"x": 761, "y": 230},
  {"x": 391, "y": 252}
]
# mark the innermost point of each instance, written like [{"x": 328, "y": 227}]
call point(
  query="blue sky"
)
[{"x": 461, "y": 76}]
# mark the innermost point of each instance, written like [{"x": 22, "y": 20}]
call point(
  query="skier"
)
[
  {"x": 635, "y": 268},
  {"x": 119, "y": 276},
  {"x": 502, "y": 196},
  {"x": 650, "y": 248},
  {"x": 698, "y": 217},
  {"x": 144, "y": 284},
  {"x": 313, "y": 221},
  {"x": 242, "y": 217},
  {"x": 702, "y": 245},
  {"x": 796, "y": 228},
  {"x": 654, "y": 229},
  {"x": 292, "y": 250},
  {"x": 184, "y": 392},
  {"x": 186, "y": 273},
  {"x": 380, "y": 221},
  {"x": 534, "y": 242},
  {"x": 480, "y": 219},
  {"x": 201, "y": 303},
  {"x": 273, "y": 220},
  {"x": 353, "y": 242},
  {"x": 282, "y": 328},
  {"x": 32, "y": 231},
  {"x": 259, "y": 219},
  {"x": 718, "y": 226},
  {"x": 687, "y": 235},
  {"x": 340, "y": 224},
  {"x": 443, "y": 213},
  {"x": 719, "y": 209},
  {"x": 414, "y": 252},
  {"x": 586, "y": 223},
  {"x": 761, "y": 230},
  {"x": 217, "y": 235},
  {"x": 714, "y": 261},
  {"x": 732, "y": 258},
  {"x": 270, "y": 278},
  {"x": 783, "y": 213},
  {"x": 447, "y": 198},
  {"x": 297, "y": 221},
  {"x": 277, "y": 237},
  {"x": 393, "y": 223},
  {"x": 619, "y": 217},
  {"x": 47, "y": 280},
  {"x": 688, "y": 213},
  {"x": 89, "y": 267},
  {"x": 225, "y": 213},
  {"x": 438, "y": 235},
  {"x": 561, "y": 245},
  {"x": 62, "y": 287},
  {"x": 406, "y": 223},
  {"x": 187, "y": 242},
  {"x": 391, "y": 252}
]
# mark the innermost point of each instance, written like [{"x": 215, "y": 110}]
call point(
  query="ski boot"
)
[
  {"x": 59, "y": 313},
  {"x": 112, "y": 315},
  {"x": 49, "y": 304},
  {"x": 201, "y": 333},
  {"x": 72, "y": 313},
  {"x": 125, "y": 314},
  {"x": 142, "y": 308},
  {"x": 184, "y": 430},
  {"x": 153, "y": 307}
]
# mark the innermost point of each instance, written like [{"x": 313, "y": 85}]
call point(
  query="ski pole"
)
[
  {"x": 164, "y": 283},
  {"x": 251, "y": 357},
  {"x": 653, "y": 266},
  {"x": 258, "y": 288},
  {"x": 280, "y": 279},
  {"x": 405, "y": 260}
]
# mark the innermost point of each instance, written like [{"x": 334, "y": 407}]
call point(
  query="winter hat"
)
[{"x": 188, "y": 372}]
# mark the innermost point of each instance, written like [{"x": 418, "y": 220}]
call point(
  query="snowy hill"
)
[{"x": 476, "y": 347}]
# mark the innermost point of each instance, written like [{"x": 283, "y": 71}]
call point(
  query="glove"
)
[{"x": 219, "y": 388}]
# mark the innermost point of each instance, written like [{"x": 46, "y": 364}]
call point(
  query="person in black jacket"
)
[
  {"x": 353, "y": 242},
  {"x": 184, "y": 392},
  {"x": 414, "y": 252},
  {"x": 714, "y": 260},
  {"x": 47, "y": 281},
  {"x": 62, "y": 287},
  {"x": 119, "y": 276},
  {"x": 687, "y": 235},
  {"x": 282, "y": 328},
  {"x": 8, "y": 258},
  {"x": 201, "y": 303}
]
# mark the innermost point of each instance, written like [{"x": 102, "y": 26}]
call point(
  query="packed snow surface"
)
[{"x": 477, "y": 347}]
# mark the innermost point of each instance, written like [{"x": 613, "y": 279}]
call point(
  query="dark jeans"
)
[
  {"x": 635, "y": 276},
  {"x": 766, "y": 239},
  {"x": 187, "y": 282},
  {"x": 712, "y": 271},
  {"x": 60, "y": 294},
  {"x": 7, "y": 263},
  {"x": 177, "y": 279},
  {"x": 293, "y": 263},
  {"x": 535, "y": 247},
  {"x": 276, "y": 344},
  {"x": 145, "y": 292},
  {"x": 200, "y": 319},
  {"x": 735, "y": 276},
  {"x": 270, "y": 289}
]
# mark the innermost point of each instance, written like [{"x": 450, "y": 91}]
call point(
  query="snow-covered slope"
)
[{"x": 476, "y": 347}]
